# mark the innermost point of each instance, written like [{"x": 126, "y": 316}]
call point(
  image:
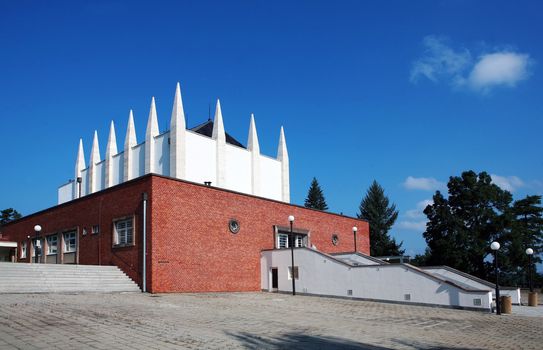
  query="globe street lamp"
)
[
  {"x": 354, "y": 233},
  {"x": 529, "y": 252},
  {"x": 37, "y": 229},
  {"x": 495, "y": 246},
  {"x": 292, "y": 240}
]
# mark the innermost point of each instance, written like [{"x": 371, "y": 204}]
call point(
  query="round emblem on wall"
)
[
  {"x": 233, "y": 225},
  {"x": 335, "y": 239}
]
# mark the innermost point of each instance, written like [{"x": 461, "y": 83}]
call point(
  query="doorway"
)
[{"x": 275, "y": 279}]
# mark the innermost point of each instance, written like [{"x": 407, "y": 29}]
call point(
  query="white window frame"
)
[
  {"x": 69, "y": 238},
  {"x": 123, "y": 232},
  {"x": 95, "y": 229},
  {"x": 23, "y": 250},
  {"x": 50, "y": 245},
  {"x": 283, "y": 240}
]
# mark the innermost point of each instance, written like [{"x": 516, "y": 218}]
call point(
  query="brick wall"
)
[
  {"x": 194, "y": 250},
  {"x": 100, "y": 209},
  {"x": 190, "y": 247}
]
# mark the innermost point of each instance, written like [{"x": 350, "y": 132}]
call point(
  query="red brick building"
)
[{"x": 199, "y": 238}]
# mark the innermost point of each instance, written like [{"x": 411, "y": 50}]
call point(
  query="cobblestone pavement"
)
[{"x": 249, "y": 320}]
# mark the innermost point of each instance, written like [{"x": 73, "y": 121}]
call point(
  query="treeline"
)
[{"x": 460, "y": 227}]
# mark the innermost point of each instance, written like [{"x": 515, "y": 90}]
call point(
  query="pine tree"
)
[
  {"x": 376, "y": 209},
  {"x": 8, "y": 215},
  {"x": 315, "y": 197},
  {"x": 461, "y": 227}
]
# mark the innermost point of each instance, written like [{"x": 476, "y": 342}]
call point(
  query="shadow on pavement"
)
[{"x": 297, "y": 340}]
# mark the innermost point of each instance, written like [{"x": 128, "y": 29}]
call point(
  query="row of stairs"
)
[{"x": 53, "y": 278}]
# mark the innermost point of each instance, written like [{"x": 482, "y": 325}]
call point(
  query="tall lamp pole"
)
[
  {"x": 529, "y": 252},
  {"x": 37, "y": 229},
  {"x": 495, "y": 246},
  {"x": 292, "y": 241},
  {"x": 354, "y": 233}
]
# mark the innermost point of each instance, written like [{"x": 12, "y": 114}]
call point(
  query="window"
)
[
  {"x": 296, "y": 276},
  {"x": 23, "y": 250},
  {"x": 52, "y": 244},
  {"x": 283, "y": 241},
  {"x": 124, "y": 232},
  {"x": 69, "y": 242},
  {"x": 95, "y": 229}
]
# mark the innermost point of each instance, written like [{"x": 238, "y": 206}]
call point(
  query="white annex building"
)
[{"x": 204, "y": 154}]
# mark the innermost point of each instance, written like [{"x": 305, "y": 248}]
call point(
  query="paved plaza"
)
[{"x": 249, "y": 320}]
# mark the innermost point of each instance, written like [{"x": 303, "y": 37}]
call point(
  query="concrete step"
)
[{"x": 52, "y": 278}]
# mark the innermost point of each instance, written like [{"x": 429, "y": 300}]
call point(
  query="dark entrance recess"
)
[{"x": 275, "y": 279}]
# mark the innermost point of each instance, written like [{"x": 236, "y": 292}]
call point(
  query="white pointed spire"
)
[
  {"x": 254, "y": 148},
  {"x": 218, "y": 125},
  {"x": 282, "y": 156},
  {"x": 177, "y": 137},
  {"x": 220, "y": 138},
  {"x": 282, "y": 152},
  {"x": 252, "y": 140},
  {"x": 95, "y": 150},
  {"x": 111, "y": 150},
  {"x": 80, "y": 161},
  {"x": 150, "y": 133},
  {"x": 94, "y": 159},
  {"x": 130, "y": 139},
  {"x": 129, "y": 142},
  {"x": 152, "y": 121}
]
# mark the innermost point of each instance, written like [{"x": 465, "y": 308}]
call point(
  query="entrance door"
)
[{"x": 275, "y": 279}]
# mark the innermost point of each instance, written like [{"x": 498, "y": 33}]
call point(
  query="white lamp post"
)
[
  {"x": 292, "y": 240},
  {"x": 530, "y": 252},
  {"x": 355, "y": 229},
  {"x": 495, "y": 246},
  {"x": 37, "y": 229}
]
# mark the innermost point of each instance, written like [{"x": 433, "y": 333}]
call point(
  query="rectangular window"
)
[
  {"x": 52, "y": 244},
  {"x": 95, "y": 229},
  {"x": 69, "y": 242},
  {"x": 296, "y": 276},
  {"x": 124, "y": 232},
  {"x": 283, "y": 241},
  {"x": 23, "y": 250}
]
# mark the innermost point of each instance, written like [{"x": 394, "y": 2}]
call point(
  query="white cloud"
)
[
  {"x": 422, "y": 183},
  {"x": 417, "y": 213},
  {"x": 440, "y": 62},
  {"x": 508, "y": 183},
  {"x": 413, "y": 225},
  {"x": 501, "y": 68}
]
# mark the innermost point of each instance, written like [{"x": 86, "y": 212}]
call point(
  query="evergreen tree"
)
[
  {"x": 376, "y": 209},
  {"x": 461, "y": 227},
  {"x": 525, "y": 232},
  {"x": 315, "y": 197},
  {"x": 8, "y": 215}
]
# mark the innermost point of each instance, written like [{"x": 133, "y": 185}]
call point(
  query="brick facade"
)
[{"x": 189, "y": 245}]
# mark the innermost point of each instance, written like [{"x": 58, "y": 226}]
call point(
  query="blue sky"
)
[{"x": 407, "y": 93}]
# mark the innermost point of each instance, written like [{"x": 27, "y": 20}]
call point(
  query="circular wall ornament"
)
[
  {"x": 233, "y": 225},
  {"x": 335, "y": 239}
]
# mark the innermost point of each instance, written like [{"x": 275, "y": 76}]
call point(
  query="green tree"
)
[
  {"x": 8, "y": 215},
  {"x": 376, "y": 209},
  {"x": 525, "y": 232},
  {"x": 461, "y": 227},
  {"x": 315, "y": 197}
]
